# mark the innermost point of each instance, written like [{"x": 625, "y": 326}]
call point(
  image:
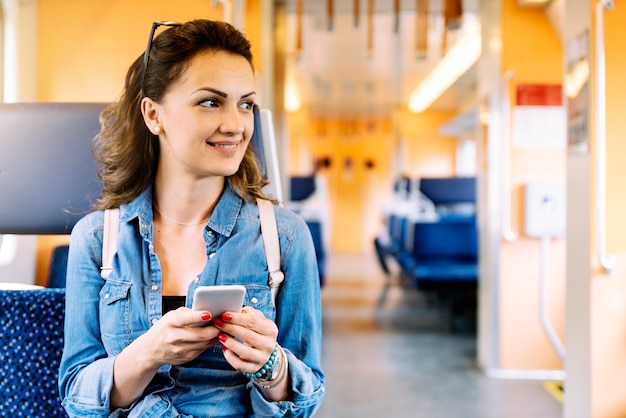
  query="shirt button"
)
[
  {"x": 154, "y": 321},
  {"x": 211, "y": 255},
  {"x": 254, "y": 300},
  {"x": 196, "y": 280},
  {"x": 154, "y": 287},
  {"x": 210, "y": 232},
  {"x": 106, "y": 296}
]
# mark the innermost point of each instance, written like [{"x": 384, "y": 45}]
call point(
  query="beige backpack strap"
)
[
  {"x": 271, "y": 244},
  {"x": 109, "y": 240}
]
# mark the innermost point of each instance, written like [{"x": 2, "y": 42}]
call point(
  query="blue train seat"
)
[
  {"x": 32, "y": 343},
  {"x": 444, "y": 254}
]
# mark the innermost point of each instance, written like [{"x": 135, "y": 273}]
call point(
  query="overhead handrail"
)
[
  {"x": 507, "y": 229},
  {"x": 606, "y": 261}
]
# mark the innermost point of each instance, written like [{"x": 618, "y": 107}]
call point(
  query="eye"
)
[
  {"x": 247, "y": 105},
  {"x": 211, "y": 102}
]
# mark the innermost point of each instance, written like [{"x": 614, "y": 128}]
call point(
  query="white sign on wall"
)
[{"x": 539, "y": 117}]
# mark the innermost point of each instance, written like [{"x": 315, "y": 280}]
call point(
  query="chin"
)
[{"x": 230, "y": 171}]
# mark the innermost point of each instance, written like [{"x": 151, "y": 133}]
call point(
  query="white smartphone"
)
[{"x": 218, "y": 299}]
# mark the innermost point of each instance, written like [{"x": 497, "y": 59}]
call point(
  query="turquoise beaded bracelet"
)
[{"x": 265, "y": 367}]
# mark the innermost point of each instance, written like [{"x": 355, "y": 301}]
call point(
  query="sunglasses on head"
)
[{"x": 146, "y": 55}]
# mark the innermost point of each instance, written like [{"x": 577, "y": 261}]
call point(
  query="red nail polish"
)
[
  {"x": 218, "y": 322},
  {"x": 206, "y": 316},
  {"x": 227, "y": 317},
  {"x": 221, "y": 337}
]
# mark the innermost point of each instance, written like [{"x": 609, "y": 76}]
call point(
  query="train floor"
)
[{"x": 389, "y": 352}]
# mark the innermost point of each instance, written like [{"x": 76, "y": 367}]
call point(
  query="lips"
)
[{"x": 224, "y": 145}]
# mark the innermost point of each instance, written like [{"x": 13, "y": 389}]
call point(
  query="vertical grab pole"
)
[
  {"x": 554, "y": 338},
  {"x": 507, "y": 230},
  {"x": 607, "y": 262}
]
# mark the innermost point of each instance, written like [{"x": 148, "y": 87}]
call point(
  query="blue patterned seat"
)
[{"x": 31, "y": 343}]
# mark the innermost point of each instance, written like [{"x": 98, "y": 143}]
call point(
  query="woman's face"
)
[{"x": 206, "y": 117}]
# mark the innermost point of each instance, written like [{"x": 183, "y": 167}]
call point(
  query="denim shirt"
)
[{"x": 103, "y": 317}]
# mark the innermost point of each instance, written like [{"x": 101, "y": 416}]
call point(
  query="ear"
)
[{"x": 150, "y": 112}]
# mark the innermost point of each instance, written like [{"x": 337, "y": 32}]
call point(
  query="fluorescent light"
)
[
  {"x": 453, "y": 65},
  {"x": 532, "y": 3}
]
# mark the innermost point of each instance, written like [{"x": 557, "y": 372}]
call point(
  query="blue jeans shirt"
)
[{"x": 103, "y": 317}]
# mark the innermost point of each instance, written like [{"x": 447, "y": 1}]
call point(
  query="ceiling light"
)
[
  {"x": 453, "y": 65},
  {"x": 532, "y": 3}
]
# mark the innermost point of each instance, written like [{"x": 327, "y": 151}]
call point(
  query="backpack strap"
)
[
  {"x": 271, "y": 244},
  {"x": 109, "y": 240}
]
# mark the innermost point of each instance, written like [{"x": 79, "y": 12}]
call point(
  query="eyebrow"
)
[{"x": 225, "y": 95}]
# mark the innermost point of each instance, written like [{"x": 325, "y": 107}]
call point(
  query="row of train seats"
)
[{"x": 431, "y": 235}]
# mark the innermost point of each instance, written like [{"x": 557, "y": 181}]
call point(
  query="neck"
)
[
  {"x": 176, "y": 222},
  {"x": 180, "y": 201}
]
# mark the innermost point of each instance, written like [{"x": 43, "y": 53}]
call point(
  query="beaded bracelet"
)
[
  {"x": 265, "y": 367},
  {"x": 279, "y": 380}
]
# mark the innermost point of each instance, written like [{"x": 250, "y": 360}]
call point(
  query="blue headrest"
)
[
  {"x": 449, "y": 190},
  {"x": 301, "y": 187},
  {"x": 48, "y": 176}
]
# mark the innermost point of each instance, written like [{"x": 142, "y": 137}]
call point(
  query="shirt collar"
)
[{"x": 226, "y": 211}]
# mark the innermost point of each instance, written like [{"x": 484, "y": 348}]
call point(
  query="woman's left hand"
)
[{"x": 248, "y": 338}]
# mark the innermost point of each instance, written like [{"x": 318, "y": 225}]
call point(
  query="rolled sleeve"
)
[
  {"x": 89, "y": 393},
  {"x": 307, "y": 393}
]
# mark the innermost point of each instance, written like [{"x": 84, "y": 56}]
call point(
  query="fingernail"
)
[
  {"x": 218, "y": 322},
  {"x": 206, "y": 316},
  {"x": 227, "y": 317},
  {"x": 221, "y": 337}
]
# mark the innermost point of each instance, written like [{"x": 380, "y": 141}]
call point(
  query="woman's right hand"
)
[{"x": 180, "y": 336}]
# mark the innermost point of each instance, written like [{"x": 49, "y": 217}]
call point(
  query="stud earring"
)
[{"x": 157, "y": 129}]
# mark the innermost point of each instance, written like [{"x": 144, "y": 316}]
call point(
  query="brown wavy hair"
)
[{"x": 126, "y": 151}]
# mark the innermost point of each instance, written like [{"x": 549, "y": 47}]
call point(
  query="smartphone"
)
[{"x": 218, "y": 299}]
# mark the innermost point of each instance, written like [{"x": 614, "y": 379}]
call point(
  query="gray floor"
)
[{"x": 388, "y": 353}]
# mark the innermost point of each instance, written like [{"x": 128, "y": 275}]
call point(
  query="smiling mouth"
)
[{"x": 224, "y": 146}]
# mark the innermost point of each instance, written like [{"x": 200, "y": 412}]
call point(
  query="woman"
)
[{"x": 175, "y": 157}]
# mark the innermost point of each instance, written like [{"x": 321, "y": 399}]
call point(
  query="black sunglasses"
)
[{"x": 146, "y": 55}]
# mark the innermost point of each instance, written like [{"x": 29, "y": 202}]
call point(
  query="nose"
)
[{"x": 232, "y": 121}]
